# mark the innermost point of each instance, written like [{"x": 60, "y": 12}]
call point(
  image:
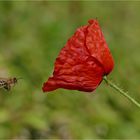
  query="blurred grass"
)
[{"x": 31, "y": 36}]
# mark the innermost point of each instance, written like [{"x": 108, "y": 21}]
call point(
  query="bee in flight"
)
[{"x": 7, "y": 83}]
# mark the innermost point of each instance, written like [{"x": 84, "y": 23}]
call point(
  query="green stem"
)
[{"x": 121, "y": 91}]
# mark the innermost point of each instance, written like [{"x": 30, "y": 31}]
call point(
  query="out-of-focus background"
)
[{"x": 31, "y": 36}]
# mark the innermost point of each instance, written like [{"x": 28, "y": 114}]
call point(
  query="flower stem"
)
[{"x": 121, "y": 91}]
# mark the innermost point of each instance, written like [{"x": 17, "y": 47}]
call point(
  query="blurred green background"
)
[{"x": 31, "y": 36}]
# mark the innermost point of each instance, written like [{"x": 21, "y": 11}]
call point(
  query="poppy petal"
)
[
  {"x": 78, "y": 66},
  {"x": 98, "y": 47}
]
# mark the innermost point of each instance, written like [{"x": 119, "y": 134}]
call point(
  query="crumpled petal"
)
[
  {"x": 97, "y": 46},
  {"x": 83, "y": 61}
]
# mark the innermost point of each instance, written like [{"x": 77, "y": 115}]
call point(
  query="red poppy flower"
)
[{"x": 83, "y": 61}]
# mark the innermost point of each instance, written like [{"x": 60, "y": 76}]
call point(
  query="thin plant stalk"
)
[{"x": 111, "y": 84}]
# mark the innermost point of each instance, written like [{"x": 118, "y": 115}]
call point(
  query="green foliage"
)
[{"x": 31, "y": 36}]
